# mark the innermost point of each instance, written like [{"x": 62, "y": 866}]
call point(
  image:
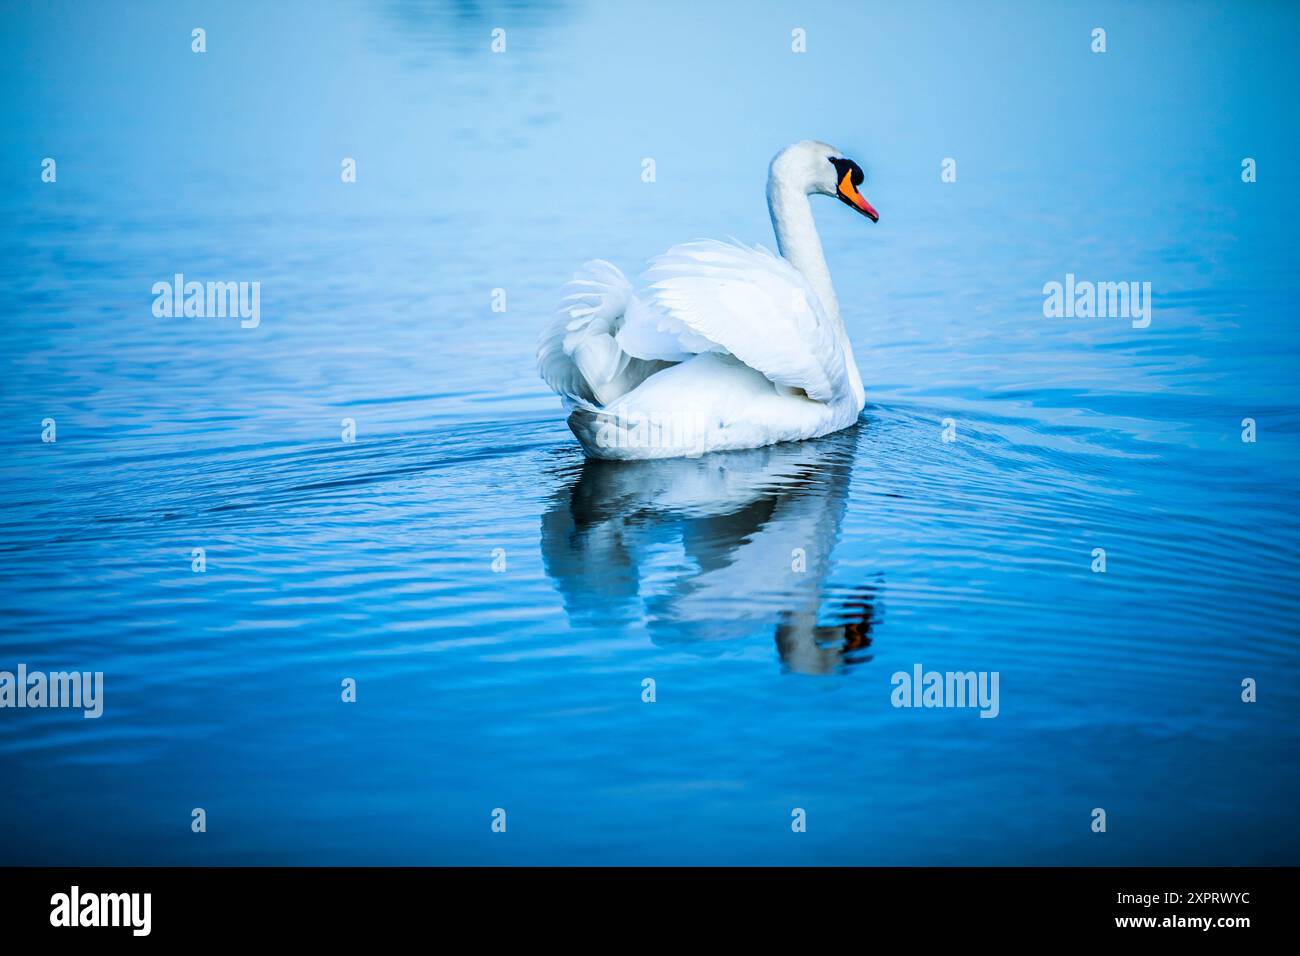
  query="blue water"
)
[{"x": 521, "y": 688}]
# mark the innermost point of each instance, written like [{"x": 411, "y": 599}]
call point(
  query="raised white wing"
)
[
  {"x": 578, "y": 355},
  {"x": 726, "y": 296},
  {"x": 593, "y": 305}
]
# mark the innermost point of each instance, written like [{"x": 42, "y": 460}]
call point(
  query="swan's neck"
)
[{"x": 796, "y": 237}]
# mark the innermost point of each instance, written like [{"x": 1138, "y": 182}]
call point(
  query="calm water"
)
[{"x": 521, "y": 688}]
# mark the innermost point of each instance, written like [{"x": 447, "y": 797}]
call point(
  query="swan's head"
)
[{"x": 814, "y": 167}]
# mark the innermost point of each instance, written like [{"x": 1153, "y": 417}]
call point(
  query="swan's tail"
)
[{"x": 578, "y": 354}]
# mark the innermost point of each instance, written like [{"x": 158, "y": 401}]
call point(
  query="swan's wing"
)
[
  {"x": 578, "y": 353},
  {"x": 723, "y": 296},
  {"x": 592, "y": 306},
  {"x": 557, "y": 366}
]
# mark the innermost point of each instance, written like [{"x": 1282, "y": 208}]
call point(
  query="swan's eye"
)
[{"x": 847, "y": 167}]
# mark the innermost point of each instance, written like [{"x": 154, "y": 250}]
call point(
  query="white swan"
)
[{"x": 727, "y": 346}]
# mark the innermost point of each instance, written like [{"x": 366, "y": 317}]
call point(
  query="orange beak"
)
[{"x": 849, "y": 193}]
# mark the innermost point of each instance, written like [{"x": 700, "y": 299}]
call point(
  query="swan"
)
[{"x": 726, "y": 347}]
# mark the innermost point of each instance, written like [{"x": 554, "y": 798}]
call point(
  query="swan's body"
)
[{"x": 726, "y": 347}]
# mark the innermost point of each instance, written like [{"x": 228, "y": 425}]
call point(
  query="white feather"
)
[
  {"x": 578, "y": 354},
  {"x": 721, "y": 296}
]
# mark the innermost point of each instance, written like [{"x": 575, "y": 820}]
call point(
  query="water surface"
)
[{"x": 500, "y": 601}]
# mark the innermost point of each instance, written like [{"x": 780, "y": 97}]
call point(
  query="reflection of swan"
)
[
  {"x": 727, "y": 347},
  {"x": 721, "y": 546}
]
